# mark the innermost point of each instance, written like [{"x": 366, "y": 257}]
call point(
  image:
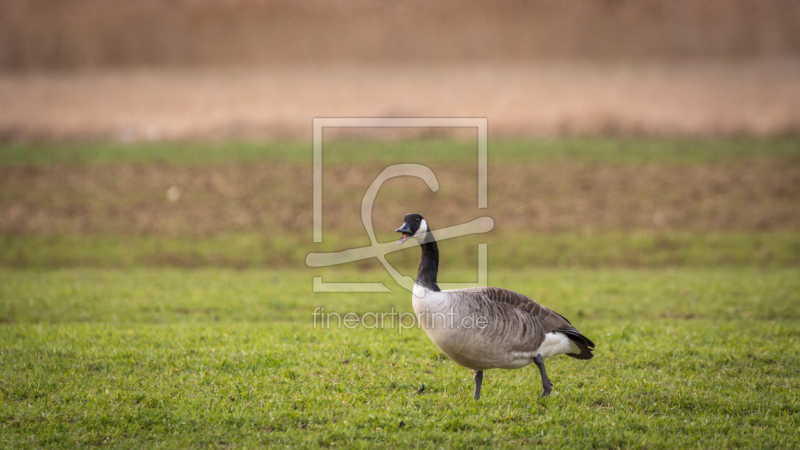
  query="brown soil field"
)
[
  {"x": 748, "y": 195},
  {"x": 520, "y": 100}
]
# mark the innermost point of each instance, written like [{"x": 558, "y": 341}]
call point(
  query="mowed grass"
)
[
  {"x": 177, "y": 358},
  {"x": 359, "y": 151},
  {"x": 509, "y": 250}
]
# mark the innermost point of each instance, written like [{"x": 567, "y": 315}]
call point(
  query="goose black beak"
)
[{"x": 406, "y": 230}]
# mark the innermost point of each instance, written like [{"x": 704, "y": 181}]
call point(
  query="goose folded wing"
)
[{"x": 551, "y": 321}]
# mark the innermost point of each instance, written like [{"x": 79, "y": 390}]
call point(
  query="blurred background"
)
[
  {"x": 178, "y": 133},
  {"x": 199, "y": 69},
  {"x": 156, "y": 215}
]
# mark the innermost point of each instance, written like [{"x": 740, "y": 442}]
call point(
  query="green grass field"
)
[
  {"x": 635, "y": 150},
  {"x": 223, "y": 358},
  {"x": 131, "y": 321}
]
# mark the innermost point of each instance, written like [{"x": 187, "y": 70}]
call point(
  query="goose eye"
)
[{"x": 417, "y": 220}]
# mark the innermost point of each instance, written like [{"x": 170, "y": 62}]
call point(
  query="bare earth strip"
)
[
  {"x": 519, "y": 100},
  {"x": 275, "y": 197}
]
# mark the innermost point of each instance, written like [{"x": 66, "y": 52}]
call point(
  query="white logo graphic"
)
[{"x": 376, "y": 249}]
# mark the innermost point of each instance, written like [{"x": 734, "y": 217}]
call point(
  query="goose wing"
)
[{"x": 551, "y": 321}]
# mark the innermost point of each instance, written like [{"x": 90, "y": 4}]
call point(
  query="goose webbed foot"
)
[
  {"x": 547, "y": 386},
  {"x": 478, "y": 381}
]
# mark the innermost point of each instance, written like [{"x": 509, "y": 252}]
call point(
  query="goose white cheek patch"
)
[{"x": 423, "y": 228}]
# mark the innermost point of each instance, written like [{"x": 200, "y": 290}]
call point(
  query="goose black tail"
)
[{"x": 585, "y": 344}]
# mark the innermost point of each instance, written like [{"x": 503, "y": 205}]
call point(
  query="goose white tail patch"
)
[{"x": 557, "y": 344}]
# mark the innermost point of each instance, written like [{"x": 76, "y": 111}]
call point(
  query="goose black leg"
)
[
  {"x": 546, "y": 385},
  {"x": 478, "y": 380}
]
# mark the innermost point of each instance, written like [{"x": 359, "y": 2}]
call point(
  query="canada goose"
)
[{"x": 487, "y": 327}]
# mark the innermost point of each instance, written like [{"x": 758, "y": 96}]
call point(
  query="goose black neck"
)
[{"x": 429, "y": 264}]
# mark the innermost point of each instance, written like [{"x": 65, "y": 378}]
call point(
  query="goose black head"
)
[{"x": 414, "y": 226}]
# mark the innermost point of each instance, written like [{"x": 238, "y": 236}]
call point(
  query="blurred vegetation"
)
[
  {"x": 563, "y": 203},
  {"x": 506, "y": 250},
  {"x": 80, "y": 34},
  {"x": 359, "y": 151}
]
